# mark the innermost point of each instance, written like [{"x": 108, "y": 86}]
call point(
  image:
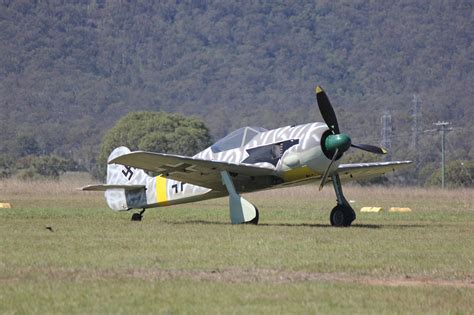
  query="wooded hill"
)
[{"x": 69, "y": 71}]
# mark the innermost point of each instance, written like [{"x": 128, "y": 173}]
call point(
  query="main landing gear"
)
[
  {"x": 342, "y": 214},
  {"x": 241, "y": 211},
  {"x": 138, "y": 216}
]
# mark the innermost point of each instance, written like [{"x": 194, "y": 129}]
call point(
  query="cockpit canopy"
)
[{"x": 236, "y": 139}]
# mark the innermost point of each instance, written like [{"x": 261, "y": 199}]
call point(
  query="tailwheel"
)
[
  {"x": 138, "y": 216},
  {"x": 342, "y": 215}
]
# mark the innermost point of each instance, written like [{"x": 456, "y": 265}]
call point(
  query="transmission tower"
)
[
  {"x": 443, "y": 128},
  {"x": 387, "y": 130},
  {"x": 416, "y": 130},
  {"x": 417, "y": 124}
]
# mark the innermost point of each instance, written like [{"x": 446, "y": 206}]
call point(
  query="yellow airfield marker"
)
[
  {"x": 371, "y": 209},
  {"x": 397, "y": 209},
  {"x": 5, "y": 205}
]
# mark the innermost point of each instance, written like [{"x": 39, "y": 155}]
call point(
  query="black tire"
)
[
  {"x": 136, "y": 217},
  {"x": 352, "y": 215},
  {"x": 341, "y": 216}
]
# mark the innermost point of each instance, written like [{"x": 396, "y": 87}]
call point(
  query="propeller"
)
[
  {"x": 337, "y": 142},
  {"x": 326, "y": 110},
  {"x": 370, "y": 148}
]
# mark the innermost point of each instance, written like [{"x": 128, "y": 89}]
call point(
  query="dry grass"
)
[
  {"x": 12, "y": 190},
  {"x": 50, "y": 193},
  {"x": 67, "y": 185},
  {"x": 463, "y": 197}
]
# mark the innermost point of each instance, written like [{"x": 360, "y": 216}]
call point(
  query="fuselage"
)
[
  {"x": 293, "y": 152},
  {"x": 299, "y": 159}
]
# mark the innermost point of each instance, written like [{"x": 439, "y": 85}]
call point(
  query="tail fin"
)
[
  {"x": 124, "y": 175},
  {"x": 126, "y": 186},
  {"x": 131, "y": 188}
]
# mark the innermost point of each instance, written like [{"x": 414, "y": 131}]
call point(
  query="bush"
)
[
  {"x": 457, "y": 174},
  {"x": 154, "y": 131},
  {"x": 6, "y": 166},
  {"x": 37, "y": 167}
]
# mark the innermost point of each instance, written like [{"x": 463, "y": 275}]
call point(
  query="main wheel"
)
[
  {"x": 136, "y": 217},
  {"x": 341, "y": 216}
]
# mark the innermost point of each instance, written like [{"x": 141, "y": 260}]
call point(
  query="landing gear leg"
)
[
  {"x": 138, "y": 216},
  {"x": 342, "y": 214},
  {"x": 241, "y": 211}
]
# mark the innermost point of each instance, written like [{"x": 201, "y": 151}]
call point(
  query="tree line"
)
[{"x": 70, "y": 71}]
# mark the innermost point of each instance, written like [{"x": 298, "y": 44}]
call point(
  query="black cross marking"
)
[{"x": 128, "y": 173}]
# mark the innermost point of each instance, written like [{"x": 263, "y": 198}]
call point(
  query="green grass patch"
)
[{"x": 189, "y": 259}]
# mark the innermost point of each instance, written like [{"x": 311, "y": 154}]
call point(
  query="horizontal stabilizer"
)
[{"x": 104, "y": 187}]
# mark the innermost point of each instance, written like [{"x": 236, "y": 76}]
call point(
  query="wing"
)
[
  {"x": 363, "y": 170},
  {"x": 204, "y": 173}
]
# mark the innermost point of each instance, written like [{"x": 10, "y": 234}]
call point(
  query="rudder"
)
[{"x": 117, "y": 174}]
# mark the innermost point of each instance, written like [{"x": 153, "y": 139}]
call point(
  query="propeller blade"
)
[
  {"x": 370, "y": 148},
  {"x": 326, "y": 110},
  {"x": 326, "y": 172}
]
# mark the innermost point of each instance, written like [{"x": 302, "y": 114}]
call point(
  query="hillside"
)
[{"x": 68, "y": 72}]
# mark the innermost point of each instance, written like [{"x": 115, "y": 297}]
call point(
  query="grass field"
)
[{"x": 189, "y": 259}]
